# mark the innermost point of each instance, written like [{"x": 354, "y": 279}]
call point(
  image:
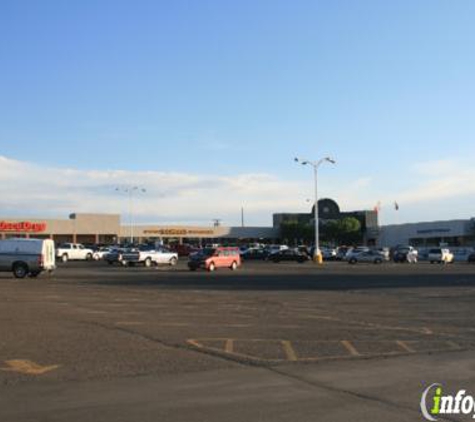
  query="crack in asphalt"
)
[{"x": 343, "y": 391}]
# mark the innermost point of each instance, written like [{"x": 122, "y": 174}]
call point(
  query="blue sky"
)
[{"x": 221, "y": 88}]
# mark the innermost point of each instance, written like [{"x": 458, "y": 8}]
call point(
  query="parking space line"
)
[
  {"x": 351, "y": 349},
  {"x": 25, "y": 366},
  {"x": 290, "y": 354},
  {"x": 229, "y": 345},
  {"x": 289, "y": 350},
  {"x": 404, "y": 346},
  {"x": 195, "y": 343},
  {"x": 453, "y": 345}
]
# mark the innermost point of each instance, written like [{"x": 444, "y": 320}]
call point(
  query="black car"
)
[
  {"x": 400, "y": 255},
  {"x": 256, "y": 254},
  {"x": 115, "y": 256},
  {"x": 289, "y": 255}
]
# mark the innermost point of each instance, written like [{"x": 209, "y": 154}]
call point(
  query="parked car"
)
[
  {"x": 184, "y": 249},
  {"x": 405, "y": 254},
  {"x": 148, "y": 256},
  {"x": 441, "y": 256},
  {"x": 114, "y": 256},
  {"x": 255, "y": 254},
  {"x": 271, "y": 249},
  {"x": 100, "y": 253},
  {"x": 471, "y": 258},
  {"x": 328, "y": 254},
  {"x": 341, "y": 252},
  {"x": 73, "y": 251},
  {"x": 462, "y": 254},
  {"x": 370, "y": 256},
  {"x": 212, "y": 258},
  {"x": 27, "y": 257},
  {"x": 289, "y": 255},
  {"x": 356, "y": 250}
]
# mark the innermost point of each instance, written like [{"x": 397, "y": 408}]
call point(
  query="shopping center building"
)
[
  {"x": 431, "y": 233},
  {"x": 107, "y": 229}
]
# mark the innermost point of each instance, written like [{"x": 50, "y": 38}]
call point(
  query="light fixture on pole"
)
[
  {"x": 130, "y": 190},
  {"x": 317, "y": 256}
]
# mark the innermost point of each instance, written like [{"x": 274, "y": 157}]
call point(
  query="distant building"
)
[
  {"x": 328, "y": 210},
  {"x": 431, "y": 233},
  {"x": 107, "y": 228}
]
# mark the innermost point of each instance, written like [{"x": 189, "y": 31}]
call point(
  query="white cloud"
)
[{"x": 30, "y": 189}]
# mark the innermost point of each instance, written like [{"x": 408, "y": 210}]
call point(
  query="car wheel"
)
[
  {"x": 173, "y": 261},
  {"x": 234, "y": 266},
  {"x": 20, "y": 270},
  {"x": 211, "y": 267},
  {"x": 148, "y": 262},
  {"x": 95, "y": 257},
  {"x": 352, "y": 261},
  {"x": 110, "y": 262},
  {"x": 89, "y": 257},
  {"x": 377, "y": 261},
  {"x": 65, "y": 257}
]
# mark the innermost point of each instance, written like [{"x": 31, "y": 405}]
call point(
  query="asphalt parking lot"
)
[{"x": 269, "y": 342}]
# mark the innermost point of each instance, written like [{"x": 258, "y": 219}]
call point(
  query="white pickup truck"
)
[
  {"x": 150, "y": 256},
  {"x": 74, "y": 251}
]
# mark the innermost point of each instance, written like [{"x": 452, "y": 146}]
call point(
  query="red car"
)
[{"x": 212, "y": 258}]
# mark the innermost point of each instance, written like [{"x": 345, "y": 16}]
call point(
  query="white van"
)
[{"x": 27, "y": 257}]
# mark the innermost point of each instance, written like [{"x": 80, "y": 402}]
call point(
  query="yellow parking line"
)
[
  {"x": 351, "y": 349},
  {"x": 289, "y": 350},
  {"x": 229, "y": 345},
  {"x": 403, "y": 345},
  {"x": 195, "y": 343},
  {"x": 24, "y": 366}
]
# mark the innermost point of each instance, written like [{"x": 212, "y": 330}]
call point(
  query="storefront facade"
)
[
  {"x": 107, "y": 229},
  {"x": 426, "y": 234}
]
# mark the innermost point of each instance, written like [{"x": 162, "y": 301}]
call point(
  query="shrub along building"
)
[{"x": 336, "y": 227}]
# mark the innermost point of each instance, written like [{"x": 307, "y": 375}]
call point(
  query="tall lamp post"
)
[
  {"x": 130, "y": 190},
  {"x": 317, "y": 256}
]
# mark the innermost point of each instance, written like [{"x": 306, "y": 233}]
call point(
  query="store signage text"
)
[
  {"x": 179, "y": 232},
  {"x": 22, "y": 226}
]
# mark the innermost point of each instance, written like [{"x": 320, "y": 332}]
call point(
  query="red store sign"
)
[{"x": 22, "y": 226}]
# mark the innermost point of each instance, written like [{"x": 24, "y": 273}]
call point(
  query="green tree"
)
[
  {"x": 293, "y": 231},
  {"x": 344, "y": 231}
]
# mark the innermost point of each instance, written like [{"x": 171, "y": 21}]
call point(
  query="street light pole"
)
[
  {"x": 130, "y": 191},
  {"x": 317, "y": 256}
]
